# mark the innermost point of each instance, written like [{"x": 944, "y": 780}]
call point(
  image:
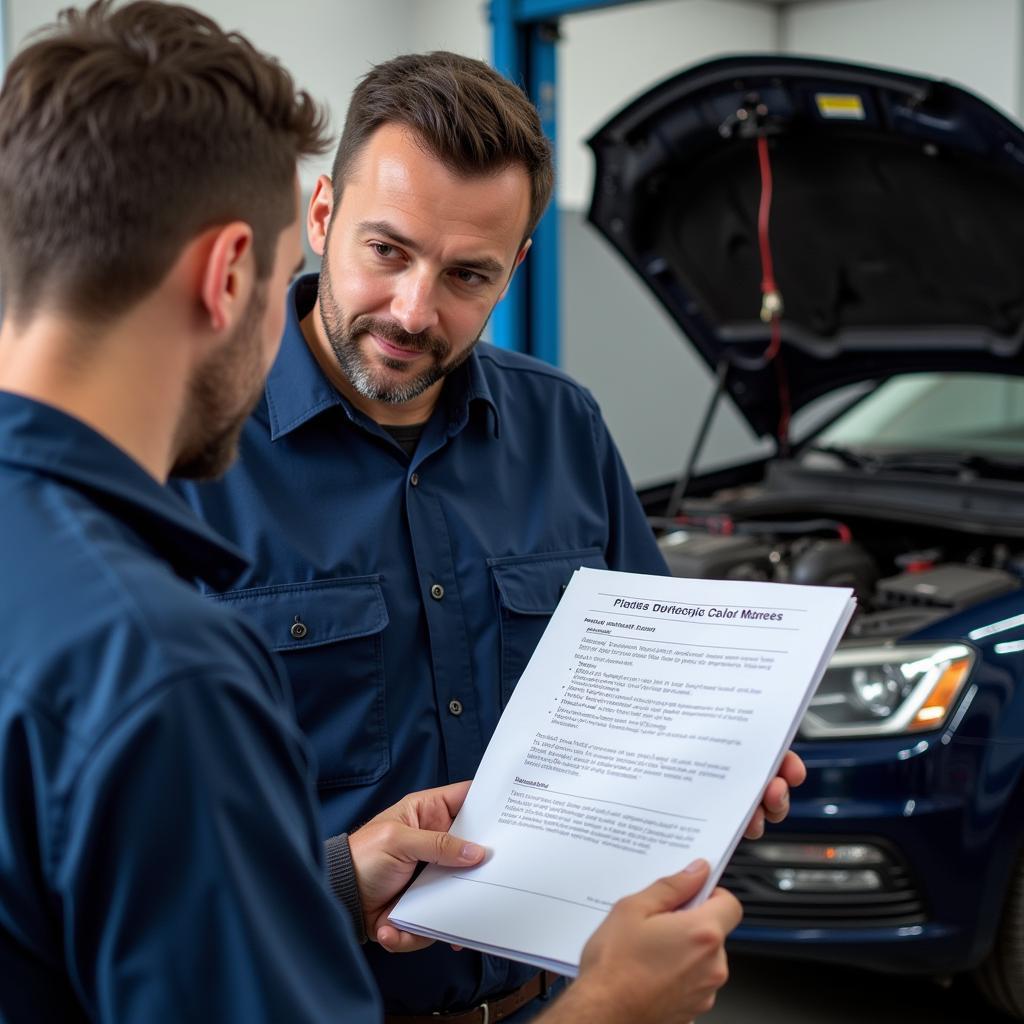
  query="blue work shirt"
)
[
  {"x": 159, "y": 844},
  {"x": 406, "y": 595}
]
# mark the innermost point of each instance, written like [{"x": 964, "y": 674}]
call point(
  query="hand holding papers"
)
[
  {"x": 641, "y": 735},
  {"x": 387, "y": 850}
]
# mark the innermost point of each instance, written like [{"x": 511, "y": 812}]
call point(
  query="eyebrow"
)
[{"x": 484, "y": 264}]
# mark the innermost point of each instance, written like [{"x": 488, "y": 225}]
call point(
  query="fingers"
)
[
  {"x": 430, "y": 808},
  {"x": 396, "y": 941},
  {"x": 755, "y": 827},
  {"x": 793, "y": 770},
  {"x": 454, "y": 795},
  {"x": 774, "y": 807},
  {"x": 672, "y": 891},
  {"x": 726, "y": 908},
  {"x": 775, "y": 802},
  {"x": 413, "y": 844}
]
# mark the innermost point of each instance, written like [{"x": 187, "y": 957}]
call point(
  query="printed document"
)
[{"x": 642, "y": 735}]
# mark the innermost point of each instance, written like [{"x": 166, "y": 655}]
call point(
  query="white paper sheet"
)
[{"x": 641, "y": 736}]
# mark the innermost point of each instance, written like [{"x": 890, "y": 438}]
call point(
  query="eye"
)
[
  {"x": 469, "y": 277},
  {"x": 383, "y": 249}
]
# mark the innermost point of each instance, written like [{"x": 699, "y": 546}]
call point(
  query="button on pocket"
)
[{"x": 329, "y": 634}]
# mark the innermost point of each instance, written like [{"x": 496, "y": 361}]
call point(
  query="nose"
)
[{"x": 413, "y": 304}]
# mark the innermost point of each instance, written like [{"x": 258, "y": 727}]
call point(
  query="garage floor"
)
[{"x": 782, "y": 992}]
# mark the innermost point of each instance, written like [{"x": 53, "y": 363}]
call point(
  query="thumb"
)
[
  {"x": 672, "y": 891},
  {"x": 437, "y": 848}
]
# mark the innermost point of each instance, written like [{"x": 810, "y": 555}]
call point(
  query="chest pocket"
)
[
  {"x": 529, "y": 588},
  {"x": 329, "y": 634}
]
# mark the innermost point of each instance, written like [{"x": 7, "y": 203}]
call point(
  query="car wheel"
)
[{"x": 1000, "y": 977}]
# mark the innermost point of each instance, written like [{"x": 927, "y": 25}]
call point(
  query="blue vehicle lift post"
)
[{"x": 524, "y": 41}]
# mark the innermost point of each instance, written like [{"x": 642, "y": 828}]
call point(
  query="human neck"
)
[
  {"x": 400, "y": 414},
  {"x": 128, "y": 383}
]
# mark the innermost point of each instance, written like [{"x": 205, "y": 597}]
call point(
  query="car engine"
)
[{"x": 900, "y": 586}]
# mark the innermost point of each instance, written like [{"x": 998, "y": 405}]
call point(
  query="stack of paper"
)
[{"x": 641, "y": 736}]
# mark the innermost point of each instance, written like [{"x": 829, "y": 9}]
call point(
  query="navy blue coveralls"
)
[{"x": 160, "y": 854}]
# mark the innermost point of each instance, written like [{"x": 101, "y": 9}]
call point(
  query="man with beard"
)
[
  {"x": 160, "y": 854},
  {"x": 414, "y": 502}
]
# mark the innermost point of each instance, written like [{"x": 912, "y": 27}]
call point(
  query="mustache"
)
[{"x": 390, "y": 331}]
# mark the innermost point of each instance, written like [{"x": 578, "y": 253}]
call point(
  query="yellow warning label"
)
[{"x": 845, "y": 105}]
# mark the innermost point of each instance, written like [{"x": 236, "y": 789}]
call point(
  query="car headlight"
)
[{"x": 874, "y": 691}]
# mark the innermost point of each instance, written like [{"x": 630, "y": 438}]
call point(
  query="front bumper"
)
[{"x": 948, "y": 815}]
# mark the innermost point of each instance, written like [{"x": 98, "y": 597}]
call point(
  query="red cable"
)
[{"x": 763, "y": 215}]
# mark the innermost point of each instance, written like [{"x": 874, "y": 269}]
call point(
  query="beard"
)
[
  {"x": 222, "y": 393},
  {"x": 391, "y": 380}
]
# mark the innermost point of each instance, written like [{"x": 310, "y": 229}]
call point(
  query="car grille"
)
[{"x": 896, "y": 903}]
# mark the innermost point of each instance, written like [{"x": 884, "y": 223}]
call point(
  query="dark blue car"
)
[{"x": 844, "y": 247}]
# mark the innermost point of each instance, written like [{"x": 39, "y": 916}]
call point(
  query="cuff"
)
[{"x": 341, "y": 878}]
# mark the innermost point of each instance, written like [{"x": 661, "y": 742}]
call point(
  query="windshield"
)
[{"x": 935, "y": 412}]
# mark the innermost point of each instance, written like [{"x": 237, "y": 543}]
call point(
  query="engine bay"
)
[{"x": 905, "y": 577}]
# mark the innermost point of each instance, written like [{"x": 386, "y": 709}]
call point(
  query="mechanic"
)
[
  {"x": 160, "y": 855},
  {"x": 414, "y": 502}
]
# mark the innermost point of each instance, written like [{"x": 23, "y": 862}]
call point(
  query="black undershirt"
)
[{"x": 407, "y": 436}]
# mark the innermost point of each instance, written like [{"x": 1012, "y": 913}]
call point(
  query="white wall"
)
[
  {"x": 327, "y": 45},
  {"x": 461, "y": 26},
  {"x": 977, "y": 43},
  {"x": 24, "y": 16}
]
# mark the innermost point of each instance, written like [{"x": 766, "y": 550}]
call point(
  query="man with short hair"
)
[
  {"x": 160, "y": 853},
  {"x": 415, "y": 502}
]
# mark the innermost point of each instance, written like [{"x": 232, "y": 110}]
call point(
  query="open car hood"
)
[{"x": 897, "y": 221}]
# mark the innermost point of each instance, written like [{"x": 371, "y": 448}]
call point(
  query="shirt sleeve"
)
[
  {"x": 631, "y": 544},
  {"x": 341, "y": 880},
  {"x": 191, "y": 873}
]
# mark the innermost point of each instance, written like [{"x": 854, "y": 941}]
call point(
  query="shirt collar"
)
[
  {"x": 43, "y": 439},
  {"x": 465, "y": 388},
  {"x": 298, "y": 390}
]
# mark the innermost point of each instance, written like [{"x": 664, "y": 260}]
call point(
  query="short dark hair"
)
[
  {"x": 126, "y": 131},
  {"x": 472, "y": 119}
]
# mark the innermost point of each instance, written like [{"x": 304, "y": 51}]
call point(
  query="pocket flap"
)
[
  {"x": 296, "y": 615},
  {"x": 534, "y": 584}
]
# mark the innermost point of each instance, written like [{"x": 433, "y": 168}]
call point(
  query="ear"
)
[
  {"x": 318, "y": 216},
  {"x": 520, "y": 256},
  {"x": 227, "y": 275}
]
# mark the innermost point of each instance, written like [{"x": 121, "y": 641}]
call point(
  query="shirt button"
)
[
  {"x": 298, "y": 629},
  {"x": 437, "y": 591},
  {"x": 455, "y": 707},
  {"x": 415, "y": 479}
]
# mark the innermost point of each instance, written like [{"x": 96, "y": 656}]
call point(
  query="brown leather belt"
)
[{"x": 490, "y": 1012}]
